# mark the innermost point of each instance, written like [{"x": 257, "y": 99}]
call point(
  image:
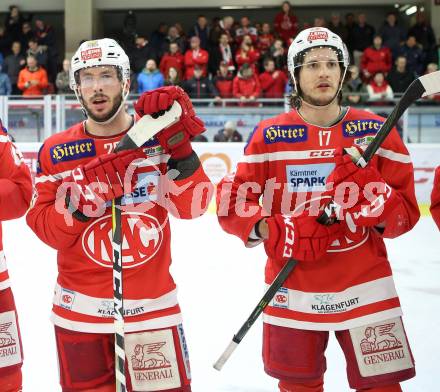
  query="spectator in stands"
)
[
  {"x": 223, "y": 80},
  {"x": 202, "y": 30},
  {"x": 393, "y": 35},
  {"x": 5, "y": 41},
  {"x": 174, "y": 37},
  {"x": 425, "y": 36},
  {"x": 246, "y": 29},
  {"x": 13, "y": 64},
  {"x": 414, "y": 55},
  {"x": 272, "y": 81},
  {"x": 199, "y": 86},
  {"x": 32, "y": 79},
  {"x": 172, "y": 77},
  {"x": 265, "y": 40},
  {"x": 336, "y": 26},
  {"x": 286, "y": 23},
  {"x": 63, "y": 80},
  {"x": 354, "y": 91},
  {"x": 247, "y": 54},
  {"x": 362, "y": 37},
  {"x": 150, "y": 78},
  {"x": 195, "y": 55},
  {"x": 222, "y": 52},
  {"x": 157, "y": 40},
  {"x": 379, "y": 90},
  {"x": 45, "y": 35},
  {"x": 319, "y": 21},
  {"x": 13, "y": 21},
  {"x": 228, "y": 133},
  {"x": 142, "y": 52},
  {"x": 224, "y": 27},
  {"x": 246, "y": 86},
  {"x": 5, "y": 83},
  {"x": 173, "y": 58},
  {"x": 376, "y": 58},
  {"x": 39, "y": 52},
  {"x": 26, "y": 34},
  {"x": 399, "y": 77},
  {"x": 349, "y": 25},
  {"x": 433, "y": 98},
  {"x": 278, "y": 53}
]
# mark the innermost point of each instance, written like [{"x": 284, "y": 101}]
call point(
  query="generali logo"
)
[
  {"x": 149, "y": 357},
  {"x": 6, "y": 339},
  {"x": 380, "y": 338}
]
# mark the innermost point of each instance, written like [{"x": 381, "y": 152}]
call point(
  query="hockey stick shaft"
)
[
  {"x": 423, "y": 86},
  {"x": 143, "y": 130},
  {"x": 267, "y": 297}
]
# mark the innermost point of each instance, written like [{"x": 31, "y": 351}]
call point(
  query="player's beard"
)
[
  {"x": 117, "y": 101},
  {"x": 318, "y": 101}
]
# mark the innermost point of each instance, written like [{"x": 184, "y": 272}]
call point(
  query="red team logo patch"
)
[
  {"x": 280, "y": 298},
  {"x": 89, "y": 54},
  {"x": 142, "y": 238},
  {"x": 315, "y": 35}
]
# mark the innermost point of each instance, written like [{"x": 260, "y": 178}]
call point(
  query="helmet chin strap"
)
[{"x": 121, "y": 105}]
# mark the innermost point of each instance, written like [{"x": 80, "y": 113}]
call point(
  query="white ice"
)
[{"x": 220, "y": 282}]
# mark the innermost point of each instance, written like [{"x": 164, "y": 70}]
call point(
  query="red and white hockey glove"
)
[
  {"x": 175, "y": 139},
  {"x": 301, "y": 238},
  {"x": 104, "y": 178},
  {"x": 366, "y": 199}
]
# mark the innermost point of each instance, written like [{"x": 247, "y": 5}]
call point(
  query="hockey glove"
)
[
  {"x": 365, "y": 197},
  {"x": 301, "y": 238},
  {"x": 175, "y": 139},
  {"x": 104, "y": 178}
]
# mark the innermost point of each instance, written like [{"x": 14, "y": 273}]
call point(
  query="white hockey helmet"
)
[
  {"x": 99, "y": 52},
  {"x": 316, "y": 37}
]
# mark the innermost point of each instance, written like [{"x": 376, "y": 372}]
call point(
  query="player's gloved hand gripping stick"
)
[
  {"x": 143, "y": 130},
  {"x": 421, "y": 87}
]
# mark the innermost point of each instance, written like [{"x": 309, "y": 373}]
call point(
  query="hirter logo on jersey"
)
[
  {"x": 285, "y": 133},
  {"x": 142, "y": 239},
  {"x": 315, "y": 35},
  {"x": 72, "y": 150},
  {"x": 361, "y": 127},
  {"x": 89, "y": 54}
]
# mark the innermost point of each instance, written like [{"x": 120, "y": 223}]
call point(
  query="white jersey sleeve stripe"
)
[{"x": 393, "y": 156}]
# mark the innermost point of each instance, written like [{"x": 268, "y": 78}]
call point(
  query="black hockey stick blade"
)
[
  {"x": 267, "y": 297},
  {"x": 146, "y": 127}
]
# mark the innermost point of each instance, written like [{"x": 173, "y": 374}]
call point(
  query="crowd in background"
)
[{"x": 227, "y": 58}]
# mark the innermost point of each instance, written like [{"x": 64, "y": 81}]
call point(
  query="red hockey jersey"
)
[
  {"x": 15, "y": 192},
  {"x": 286, "y": 163},
  {"x": 435, "y": 198},
  {"x": 83, "y": 298}
]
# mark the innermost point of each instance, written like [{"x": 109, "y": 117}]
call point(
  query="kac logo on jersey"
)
[
  {"x": 308, "y": 178},
  {"x": 141, "y": 240},
  {"x": 72, "y": 150},
  {"x": 361, "y": 127},
  {"x": 285, "y": 133}
]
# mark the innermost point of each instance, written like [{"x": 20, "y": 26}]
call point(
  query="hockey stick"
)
[
  {"x": 423, "y": 86},
  {"x": 143, "y": 130}
]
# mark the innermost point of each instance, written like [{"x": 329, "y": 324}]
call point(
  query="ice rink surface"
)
[{"x": 220, "y": 282}]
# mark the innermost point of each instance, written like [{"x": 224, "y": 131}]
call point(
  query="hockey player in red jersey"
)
[
  {"x": 343, "y": 280},
  {"x": 78, "y": 176},
  {"x": 15, "y": 197},
  {"x": 435, "y": 198}
]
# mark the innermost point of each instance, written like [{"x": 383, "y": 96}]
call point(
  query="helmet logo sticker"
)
[
  {"x": 315, "y": 35},
  {"x": 89, "y": 54}
]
